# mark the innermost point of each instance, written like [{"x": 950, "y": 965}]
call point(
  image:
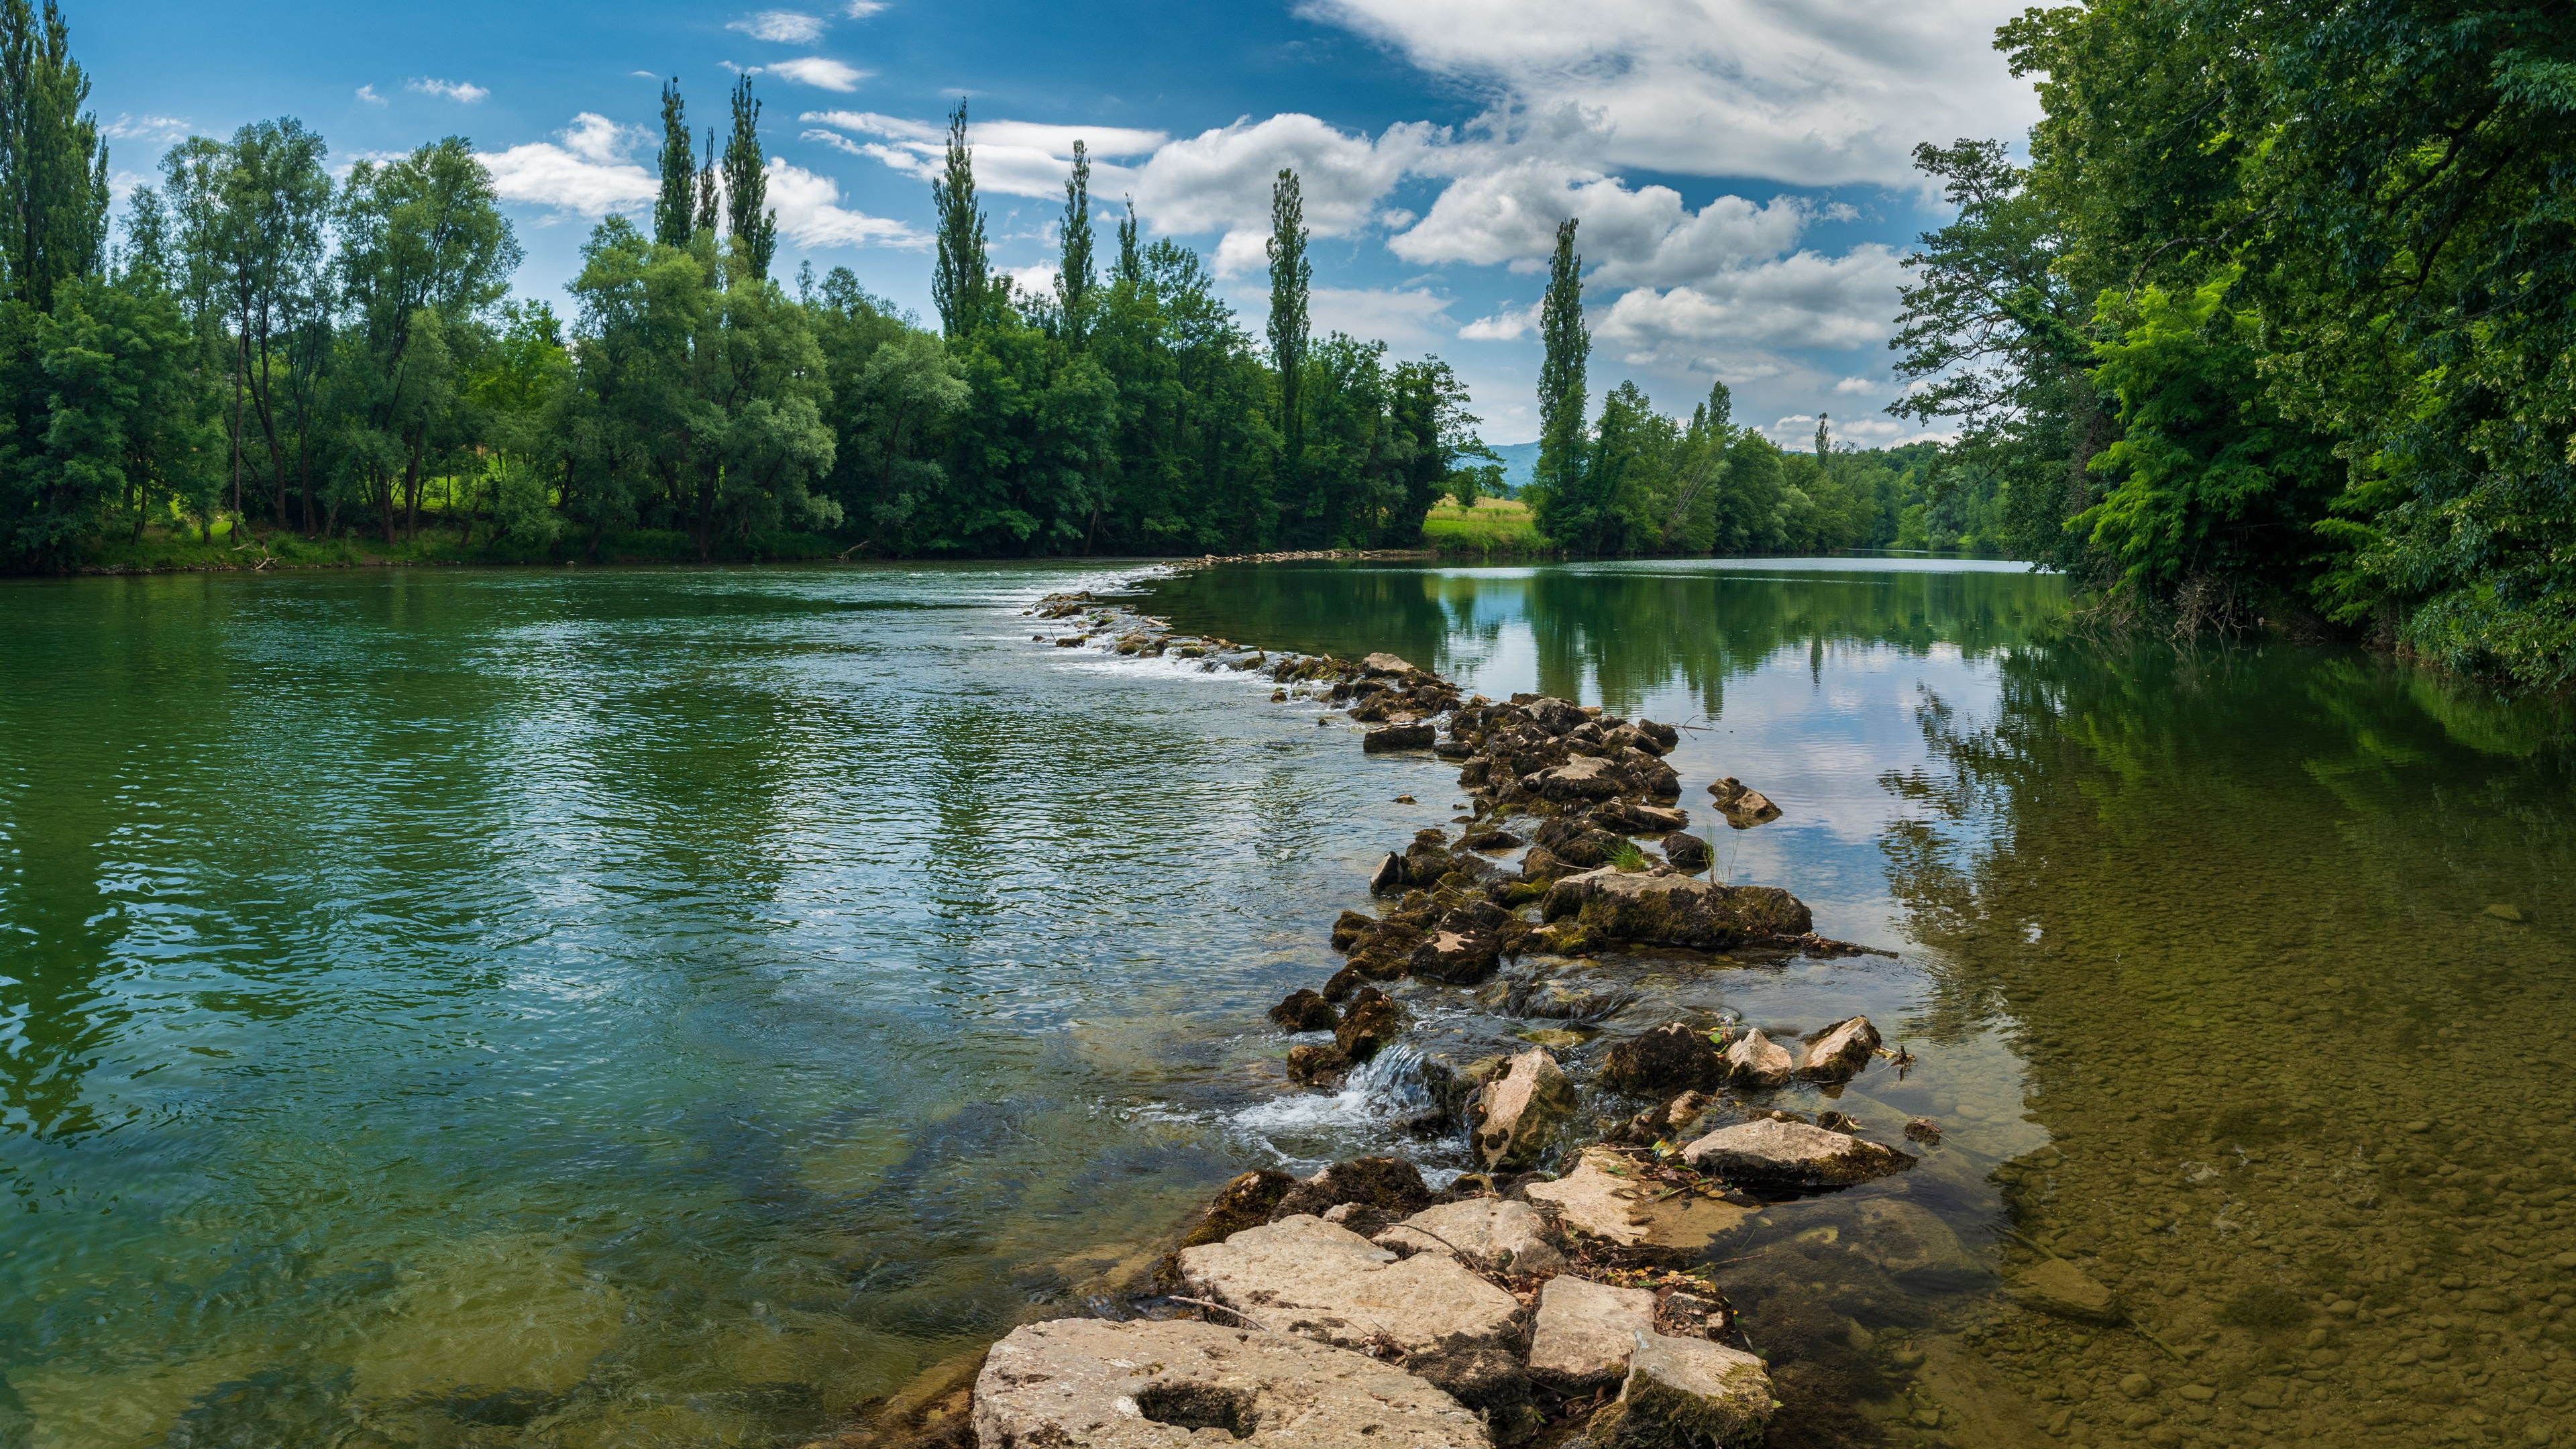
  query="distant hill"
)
[{"x": 1520, "y": 465}]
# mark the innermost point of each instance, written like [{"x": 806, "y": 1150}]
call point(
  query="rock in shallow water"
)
[
  {"x": 1672, "y": 910},
  {"x": 1840, "y": 1051},
  {"x": 1670, "y": 1058},
  {"x": 1388, "y": 1185},
  {"x": 1305, "y": 1009},
  {"x": 1601, "y": 1198},
  {"x": 2053, "y": 1285},
  {"x": 1305, "y": 1276},
  {"x": 1520, "y": 1113},
  {"x": 1791, "y": 1155},
  {"x": 1584, "y": 1332},
  {"x": 1396, "y": 737},
  {"x": 1755, "y": 1060},
  {"x": 1492, "y": 1233},
  {"x": 1687, "y": 1391},
  {"x": 1159, "y": 1385}
]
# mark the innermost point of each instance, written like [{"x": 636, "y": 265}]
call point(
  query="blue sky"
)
[{"x": 1740, "y": 167}]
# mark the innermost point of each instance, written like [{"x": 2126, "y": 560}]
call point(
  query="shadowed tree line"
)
[{"x": 268, "y": 355}]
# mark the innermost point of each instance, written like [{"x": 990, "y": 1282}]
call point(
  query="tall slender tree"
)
[
  {"x": 753, "y": 224},
  {"x": 1824, "y": 439},
  {"x": 710, "y": 197},
  {"x": 1567, "y": 345},
  {"x": 1131, "y": 261},
  {"x": 53, "y": 164},
  {"x": 1073, "y": 270},
  {"x": 1291, "y": 277},
  {"x": 674, "y": 211},
  {"x": 960, "y": 278}
]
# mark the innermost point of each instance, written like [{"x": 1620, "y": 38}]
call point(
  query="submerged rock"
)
[
  {"x": 1160, "y": 1385},
  {"x": 1305, "y": 1276},
  {"x": 1838, "y": 1053},
  {"x": 1687, "y": 1391},
  {"x": 1492, "y": 1233},
  {"x": 1669, "y": 1058},
  {"x": 1676, "y": 910},
  {"x": 2053, "y": 1285},
  {"x": 1912, "y": 1246},
  {"x": 1244, "y": 1202},
  {"x": 1584, "y": 1332},
  {"x": 1520, "y": 1114},
  {"x": 1755, "y": 1060},
  {"x": 1791, "y": 1155}
]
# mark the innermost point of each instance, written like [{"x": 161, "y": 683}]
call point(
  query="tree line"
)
[
  {"x": 1628, "y": 479},
  {"x": 2277, "y": 326},
  {"x": 270, "y": 354}
]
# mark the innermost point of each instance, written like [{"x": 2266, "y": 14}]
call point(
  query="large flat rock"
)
[
  {"x": 1600, "y": 1198},
  {"x": 1793, "y": 1155},
  {"x": 1492, "y": 1233},
  {"x": 1676, "y": 910},
  {"x": 1687, "y": 1391},
  {"x": 1584, "y": 1331},
  {"x": 1306, "y": 1276},
  {"x": 1159, "y": 1385}
]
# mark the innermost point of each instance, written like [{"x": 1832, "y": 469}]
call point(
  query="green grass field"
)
[{"x": 1495, "y": 527}]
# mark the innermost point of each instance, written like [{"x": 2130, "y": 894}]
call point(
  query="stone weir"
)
[{"x": 1560, "y": 1290}]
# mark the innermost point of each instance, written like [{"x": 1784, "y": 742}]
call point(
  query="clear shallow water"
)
[{"x": 672, "y": 1008}]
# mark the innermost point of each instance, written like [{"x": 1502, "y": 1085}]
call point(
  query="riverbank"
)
[{"x": 1566, "y": 1283}]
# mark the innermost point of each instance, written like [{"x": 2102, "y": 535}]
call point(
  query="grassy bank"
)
[{"x": 1494, "y": 528}]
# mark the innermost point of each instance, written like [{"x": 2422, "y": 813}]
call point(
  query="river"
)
[{"x": 589, "y": 1007}]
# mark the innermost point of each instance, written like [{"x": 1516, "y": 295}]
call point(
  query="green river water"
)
[{"x": 677, "y": 1007}]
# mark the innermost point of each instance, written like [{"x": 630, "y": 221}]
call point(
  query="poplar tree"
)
[
  {"x": 1291, "y": 276},
  {"x": 1561, "y": 395},
  {"x": 1824, "y": 441},
  {"x": 754, "y": 226},
  {"x": 1073, "y": 272},
  {"x": 53, "y": 166},
  {"x": 1131, "y": 261},
  {"x": 959, "y": 278},
  {"x": 673, "y": 211},
  {"x": 709, "y": 213}
]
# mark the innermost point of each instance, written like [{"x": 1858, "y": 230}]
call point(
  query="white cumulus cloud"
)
[
  {"x": 862, "y": 9},
  {"x": 1804, "y": 300},
  {"x": 1822, "y": 93},
  {"x": 584, "y": 170},
  {"x": 1646, "y": 236},
  {"x": 784, "y": 27},
  {"x": 821, "y": 72},
  {"x": 465, "y": 91},
  {"x": 1220, "y": 180},
  {"x": 811, "y": 215}
]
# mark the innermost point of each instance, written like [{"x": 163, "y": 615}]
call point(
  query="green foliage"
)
[
  {"x": 2213, "y": 489},
  {"x": 281, "y": 356},
  {"x": 1557, "y": 495},
  {"x": 2372, "y": 420}
]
